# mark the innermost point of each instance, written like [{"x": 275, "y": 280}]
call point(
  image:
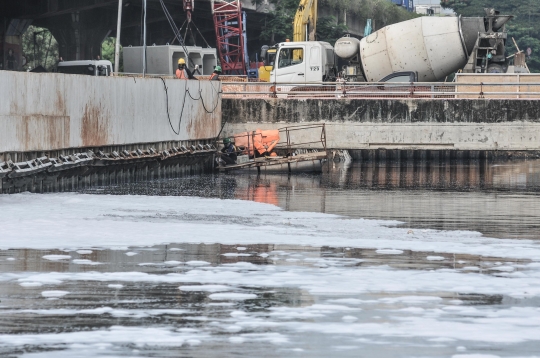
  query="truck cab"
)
[
  {"x": 303, "y": 62},
  {"x": 89, "y": 67}
]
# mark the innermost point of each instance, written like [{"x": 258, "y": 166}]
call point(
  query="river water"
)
[{"x": 369, "y": 259}]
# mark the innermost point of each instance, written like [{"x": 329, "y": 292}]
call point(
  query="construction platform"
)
[{"x": 307, "y": 162}]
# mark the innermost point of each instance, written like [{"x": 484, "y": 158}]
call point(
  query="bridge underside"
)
[{"x": 80, "y": 26}]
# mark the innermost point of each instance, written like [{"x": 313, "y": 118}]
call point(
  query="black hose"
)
[{"x": 168, "y": 115}]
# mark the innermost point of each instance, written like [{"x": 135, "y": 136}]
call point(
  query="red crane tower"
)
[{"x": 229, "y": 35}]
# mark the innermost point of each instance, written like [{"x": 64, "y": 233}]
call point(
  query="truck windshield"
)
[
  {"x": 270, "y": 58},
  {"x": 290, "y": 57}
]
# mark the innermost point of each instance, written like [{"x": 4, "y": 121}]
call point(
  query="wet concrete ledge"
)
[
  {"x": 387, "y": 111},
  {"x": 91, "y": 176},
  {"x": 400, "y": 124},
  {"x": 80, "y": 168}
]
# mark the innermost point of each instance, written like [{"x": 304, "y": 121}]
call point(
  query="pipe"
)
[
  {"x": 117, "y": 45},
  {"x": 144, "y": 39}
]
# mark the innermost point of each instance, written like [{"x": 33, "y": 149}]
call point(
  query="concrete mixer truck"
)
[{"x": 427, "y": 48}]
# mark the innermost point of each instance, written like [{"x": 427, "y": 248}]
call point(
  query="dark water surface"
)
[{"x": 499, "y": 200}]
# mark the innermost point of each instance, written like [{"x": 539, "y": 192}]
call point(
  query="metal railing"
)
[
  {"x": 352, "y": 90},
  {"x": 311, "y": 138},
  {"x": 291, "y": 138}
]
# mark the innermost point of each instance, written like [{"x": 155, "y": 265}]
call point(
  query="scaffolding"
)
[{"x": 230, "y": 36}]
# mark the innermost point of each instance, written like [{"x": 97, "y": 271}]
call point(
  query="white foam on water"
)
[
  {"x": 349, "y": 319},
  {"x": 232, "y": 296},
  {"x": 434, "y": 258},
  {"x": 470, "y": 268},
  {"x": 131, "y": 253},
  {"x": 57, "y": 257},
  {"x": 84, "y": 252},
  {"x": 197, "y": 263},
  {"x": 171, "y": 263},
  {"x": 131, "y": 313},
  {"x": 331, "y": 281},
  {"x": 411, "y": 299},
  {"x": 116, "y": 221},
  {"x": 54, "y": 293},
  {"x": 237, "y": 340},
  {"x": 205, "y": 288},
  {"x": 234, "y": 254},
  {"x": 137, "y": 336},
  {"x": 402, "y": 304},
  {"x": 31, "y": 284},
  {"x": 115, "y": 285},
  {"x": 86, "y": 262},
  {"x": 389, "y": 251},
  {"x": 475, "y": 356}
]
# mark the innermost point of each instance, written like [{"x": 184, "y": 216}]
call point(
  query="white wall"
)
[{"x": 51, "y": 111}]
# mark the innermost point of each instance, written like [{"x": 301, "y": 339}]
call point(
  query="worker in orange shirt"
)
[{"x": 183, "y": 73}]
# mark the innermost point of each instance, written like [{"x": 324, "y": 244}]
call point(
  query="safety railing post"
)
[{"x": 481, "y": 90}]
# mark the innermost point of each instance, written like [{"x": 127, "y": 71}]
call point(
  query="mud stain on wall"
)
[
  {"x": 37, "y": 131},
  {"x": 203, "y": 126},
  {"x": 94, "y": 126}
]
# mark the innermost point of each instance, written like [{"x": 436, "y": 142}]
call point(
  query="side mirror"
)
[{"x": 264, "y": 50}]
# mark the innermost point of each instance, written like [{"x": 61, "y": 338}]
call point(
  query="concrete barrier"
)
[
  {"x": 50, "y": 111},
  {"x": 465, "y": 124}
]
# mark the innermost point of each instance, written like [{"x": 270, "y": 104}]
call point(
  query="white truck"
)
[
  {"x": 430, "y": 47},
  {"x": 88, "y": 67}
]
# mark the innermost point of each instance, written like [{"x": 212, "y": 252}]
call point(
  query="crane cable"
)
[
  {"x": 176, "y": 32},
  {"x": 178, "y": 36}
]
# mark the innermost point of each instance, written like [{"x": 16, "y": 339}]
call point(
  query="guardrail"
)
[{"x": 353, "y": 90}]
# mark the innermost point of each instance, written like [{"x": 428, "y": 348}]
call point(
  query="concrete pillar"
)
[
  {"x": 80, "y": 34},
  {"x": 11, "y": 52}
]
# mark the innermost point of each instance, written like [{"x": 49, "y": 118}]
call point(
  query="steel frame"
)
[{"x": 228, "y": 25}]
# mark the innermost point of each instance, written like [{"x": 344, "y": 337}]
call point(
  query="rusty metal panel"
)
[{"x": 55, "y": 111}]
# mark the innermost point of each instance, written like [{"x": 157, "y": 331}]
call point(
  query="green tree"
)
[
  {"x": 40, "y": 48},
  {"x": 382, "y": 12},
  {"x": 107, "y": 51},
  {"x": 278, "y": 24},
  {"x": 524, "y": 27},
  {"x": 329, "y": 30},
  {"x": 279, "y": 21}
]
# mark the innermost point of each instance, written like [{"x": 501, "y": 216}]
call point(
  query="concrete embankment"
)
[
  {"x": 56, "y": 124},
  {"x": 362, "y": 125}
]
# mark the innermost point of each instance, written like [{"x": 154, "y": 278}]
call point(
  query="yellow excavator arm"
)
[{"x": 305, "y": 21}]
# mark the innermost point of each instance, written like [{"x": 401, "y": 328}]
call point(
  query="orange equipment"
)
[{"x": 258, "y": 140}]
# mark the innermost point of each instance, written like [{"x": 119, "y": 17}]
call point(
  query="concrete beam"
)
[{"x": 398, "y": 124}]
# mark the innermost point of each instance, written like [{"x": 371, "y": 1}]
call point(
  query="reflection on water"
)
[{"x": 499, "y": 200}]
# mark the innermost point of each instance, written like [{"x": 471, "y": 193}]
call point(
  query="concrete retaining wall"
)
[
  {"x": 399, "y": 124},
  {"x": 43, "y": 112}
]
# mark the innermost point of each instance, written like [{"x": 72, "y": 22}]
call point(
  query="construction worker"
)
[
  {"x": 229, "y": 150},
  {"x": 216, "y": 73},
  {"x": 183, "y": 73}
]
